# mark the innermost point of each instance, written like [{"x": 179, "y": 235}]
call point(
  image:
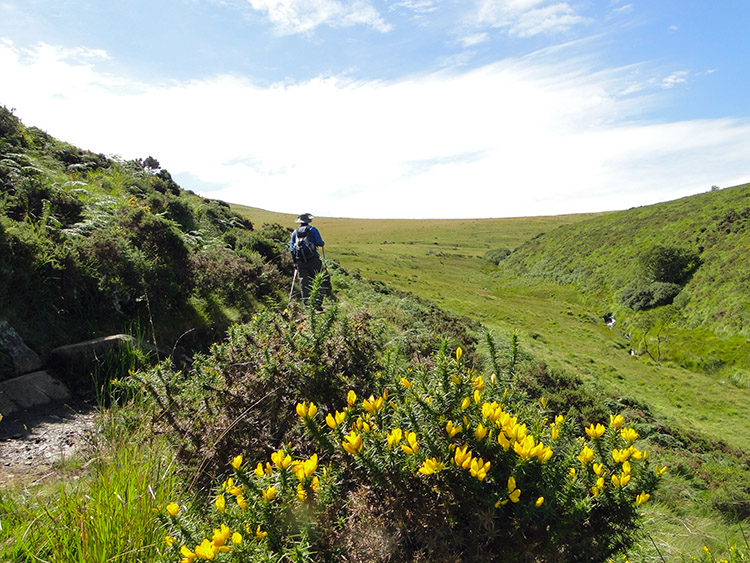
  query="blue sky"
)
[{"x": 411, "y": 108}]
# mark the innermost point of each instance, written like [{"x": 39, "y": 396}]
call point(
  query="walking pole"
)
[
  {"x": 291, "y": 291},
  {"x": 329, "y": 288}
]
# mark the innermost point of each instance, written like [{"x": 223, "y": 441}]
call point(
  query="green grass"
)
[
  {"x": 96, "y": 511},
  {"x": 563, "y": 325},
  {"x": 441, "y": 261}
]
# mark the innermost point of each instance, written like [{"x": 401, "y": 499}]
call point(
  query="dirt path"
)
[{"x": 33, "y": 441}]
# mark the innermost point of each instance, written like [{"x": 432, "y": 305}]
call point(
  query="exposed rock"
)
[
  {"x": 30, "y": 390},
  {"x": 17, "y": 358},
  {"x": 75, "y": 363}
]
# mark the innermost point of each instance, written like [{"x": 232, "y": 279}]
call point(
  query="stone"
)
[
  {"x": 75, "y": 363},
  {"x": 30, "y": 390},
  {"x": 18, "y": 357}
]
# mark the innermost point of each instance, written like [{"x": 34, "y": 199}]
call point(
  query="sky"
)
[{"x": 396, "y": 108}]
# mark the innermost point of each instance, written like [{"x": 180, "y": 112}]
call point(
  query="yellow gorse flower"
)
[
  {"x": 528, "y": 448},
  {"x": 543, "y": 402},
  {"x": 514, "y": 494},
  {"x": 462, "y": 457},
  {"x": 237, "y": 462},
  {"x": 478, "y": 383},
  {"x": 306, "y": 412},
  {"x": 595, "y": 431},
  {"x": 452, "y": 429},
  {"x": 169, "y": 540},
  {"x": 586, "y": 455},
  {"x": 269, "y": 494},
  {"x": 351, "y": 398},
  {"x": 480, "y": 432},
  {"x": 221, "y": 503},
  {"x": 641, "y": 498},
  {"x": 394, "y": 437},
  {"x": 221, "y": 535},
  {"x": 301, "y": 492},
  {"x": 479, "y": 468},
  {"x": 173, "y": 508},
  {"x": 206, "y": 550},
  {"x": 280, "y": 459},
  {"x": 334, "y": 420},
  {"x": 405, "y": 383},
  {"x": 459, "y": 353},
  {"x": 431, "y": 466},
  {"x": 465, "y": 403},
  {"x": 616, "y": 421},
  {"x": 352, "y": 443},
  {"x": 259, "y": 534},
  {"x": 411, "y": 446},
  {"x": 629, "y": 434},
  {"x": 236, "y": 538},
  {"x": 539, "y": 502},
  {"x": 373, "y": 405},
  {"x": 303, "y": 469},
  {"x": 622, "y": 480},
  {"x": 187, "y": 555}
]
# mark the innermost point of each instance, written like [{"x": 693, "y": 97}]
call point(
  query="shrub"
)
[
  {"x": 669, "y": 265},
  {"x": 496, "y": 255},
  {"x": 439, "y": 464},
  {"x": 251, "y": 382},
  {"x": 640, "y": 297},
  {"x": 11, "y": 130}
]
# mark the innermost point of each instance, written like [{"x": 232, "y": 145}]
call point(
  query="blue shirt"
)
[{"x": 313, "y": 234}]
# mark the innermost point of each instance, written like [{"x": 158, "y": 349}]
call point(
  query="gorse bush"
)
[
  {"x": 251, "y": 382},
  {"x": 430, "y": 461}
]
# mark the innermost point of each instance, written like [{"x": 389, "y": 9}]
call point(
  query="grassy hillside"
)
[
  {"x": 561, "y": 320},
  {"x": 602, "y": 257},
  {"x": 91, "y": 245},
  {"x": 558, "y": 320}
]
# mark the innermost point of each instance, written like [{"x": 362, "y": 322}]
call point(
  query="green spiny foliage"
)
[{"x": 438, "y": 463}]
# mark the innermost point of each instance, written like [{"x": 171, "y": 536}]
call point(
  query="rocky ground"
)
[{"x": 32, "y": 442}]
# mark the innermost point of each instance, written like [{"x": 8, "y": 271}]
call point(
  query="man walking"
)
[{"x": 303, "y": 247}]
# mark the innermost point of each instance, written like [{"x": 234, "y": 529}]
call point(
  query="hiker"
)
[{"x": 303, "y": 247}]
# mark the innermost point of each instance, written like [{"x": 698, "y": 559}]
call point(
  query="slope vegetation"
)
[
  {"x": 91, "y": 245},
  {"x": 606, "y": 255}
]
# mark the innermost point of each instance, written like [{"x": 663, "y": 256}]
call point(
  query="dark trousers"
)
[{"x": 307, "y": 272}]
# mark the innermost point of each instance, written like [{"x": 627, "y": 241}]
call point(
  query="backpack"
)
[{"x": 304, "y": 247}]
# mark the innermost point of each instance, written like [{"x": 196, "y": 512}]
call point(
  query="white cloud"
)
[
  {"x": 626, "y": 9},
  {"x": 416, "y": 6},
  {"x": 677, "y": 77},
  {"x": 526, "y": 18},
  {"x": 519, "y": 137},
  {"x": 474, "y": 39},
  {"x": 303, "y": 16}
]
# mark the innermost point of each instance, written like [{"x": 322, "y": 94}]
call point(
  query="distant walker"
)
[{"x": 303, "y": 247}]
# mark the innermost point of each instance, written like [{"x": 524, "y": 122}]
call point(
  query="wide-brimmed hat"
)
[{"x": 304, "y": 218}]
